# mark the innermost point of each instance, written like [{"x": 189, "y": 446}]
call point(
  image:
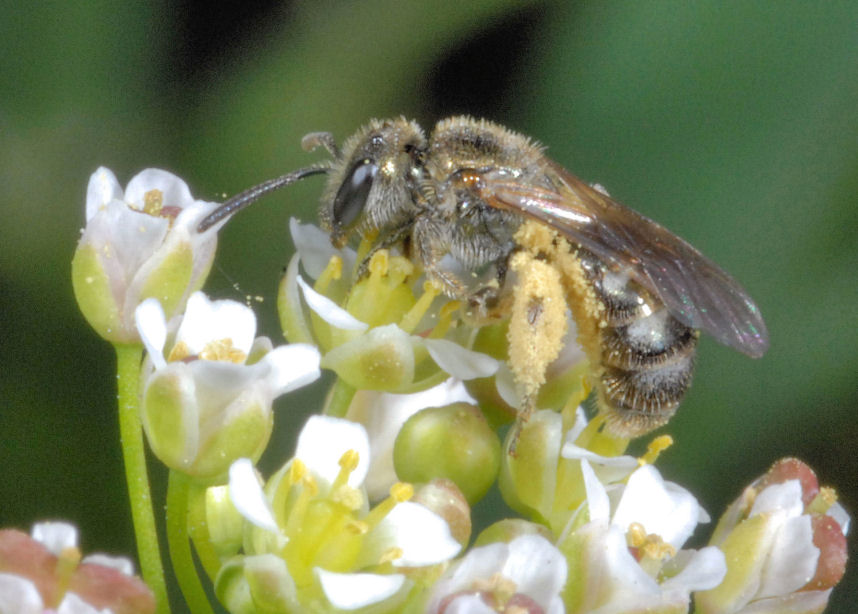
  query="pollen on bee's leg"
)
[{"x": 537, "y": 323}]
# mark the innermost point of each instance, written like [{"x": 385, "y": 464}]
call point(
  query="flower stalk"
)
[{"x": 136, "y": 476}]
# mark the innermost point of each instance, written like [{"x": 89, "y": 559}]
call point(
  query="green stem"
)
[
  {"x": 340, "y": 399},
  {"x": 180, "y": 545},
  {"x": 134, "y": 456},
  {"x": 199, "y": 530}
]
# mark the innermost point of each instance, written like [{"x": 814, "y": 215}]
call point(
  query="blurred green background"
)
[{"x": 735, "y": 125}]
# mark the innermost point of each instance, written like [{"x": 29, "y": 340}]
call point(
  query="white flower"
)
[
  {"x": 207, "y": 397},
  {"x": 522, "y": 575},
  {"x": 327, "y": 473},
  {"x": 629, "y": 547},
  {"x": 137, "y": 244}
]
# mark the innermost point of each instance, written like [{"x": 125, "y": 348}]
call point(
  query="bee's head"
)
[{"x": 374, "y": 179}]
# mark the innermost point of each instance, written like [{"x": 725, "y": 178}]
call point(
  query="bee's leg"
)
[{"x": 537, "y": 327}]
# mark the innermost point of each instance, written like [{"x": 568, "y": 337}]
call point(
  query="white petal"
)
[
  {"x": 72, "y": 604},
  {"x": 537, "y": 568},
  {"x": 423, "y": 536},
  {"x": 784, "y": 497},
  {"x": 314, "y": 247},
  {"x": 175, "y": 191},
  {"x": 246, "y": 495},
  {"x": 19, "y": 596},
  {"x": 152, "y": 326},
  {"x": 505, "y": 385},
  {"x": 206, "y": 321},
  {"x": 607, "y": 468},
  {"x": 704, "y": 570},
  {"x": 460, "y": 362},
  {"x": 119, "y": 563},
  {"x": 292, "y": 366},
  {"x": 839, "y": 513},
  {"x": 328, "y": 310},
  {"x": 597, "y": 496},
  {"x": 55, "y": 536},
  {"x": 324, "y": 440},
  {"x": 792, "y": 559},
  {"x": 670, "y": 512},
  {"x": 349, "y": 591},
  {"x": 103, "y": 188}
]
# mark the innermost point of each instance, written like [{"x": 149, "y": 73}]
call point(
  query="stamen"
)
[
  {"x": 390, "y": 555},
  {"x": 445, "y": 319},
  {"x": 655, "y": 447},
  {"x": 332, "y": 272},
  {"x": 153, "y": 202},
  {"x": 825, "y": 498},
  {"x": 650, "y": 546},
  {"x": 411, "y": 319},
  {"x": 179, "y": 352},
  {"x": 348, "y": 463},
  {"x": 222, "y": 350},
  {"x": 67, "y": 563},
  {"x": 297, "y": 471},
  {"x": 399, "y": 493},
  {"x": 357, "y": 527}
]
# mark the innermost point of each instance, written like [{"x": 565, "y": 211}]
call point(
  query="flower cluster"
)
[{"x": 372, "y": 512}]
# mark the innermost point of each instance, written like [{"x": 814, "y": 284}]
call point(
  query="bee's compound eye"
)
[{"x": 353, "y": 193}]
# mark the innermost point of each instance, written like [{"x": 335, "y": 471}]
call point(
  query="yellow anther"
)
[
  {"x": 333, "y": 271},
  {"x": 66, "y": 565},
  {"x": 153, "y": 202},
  {"x": 636, "y": 535},
  {"x": 348, "y": 497},
  {"x": 297, "y": 471},
  {"x": 650, "y": 546},
  {"x": 655, "y": 447},
  {"x": 379, "y": 263},
  {"x": 348, "y": 463},
  {"x": 179, "y": 352},
  {"x": 825, "y": 498},
  {"x": 401, "y": 491},
  {"x": 357, "y": 527},
  {"x": 222, "y": 350},
  {"x": 390, "y": 555},
  {"x": 349, "y": 460}
]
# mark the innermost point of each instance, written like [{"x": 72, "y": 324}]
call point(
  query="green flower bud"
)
[{"x": 453, "y": 442}]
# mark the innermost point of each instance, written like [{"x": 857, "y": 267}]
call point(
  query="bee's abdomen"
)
[{"x": 646, "y": 355}]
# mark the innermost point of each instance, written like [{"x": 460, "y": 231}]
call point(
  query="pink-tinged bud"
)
[
  {"x": 784, "y": 543},
  {"x": 49, "y": 580}
]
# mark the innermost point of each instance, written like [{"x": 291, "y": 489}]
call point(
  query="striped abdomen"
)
[{"x": 646, "y": 355}]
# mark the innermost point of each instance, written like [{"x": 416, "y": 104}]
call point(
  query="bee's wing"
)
[{"x": 695, "y": 290}]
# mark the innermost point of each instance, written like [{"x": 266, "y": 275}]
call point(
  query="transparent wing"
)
[{"x": 695, "y": 290}]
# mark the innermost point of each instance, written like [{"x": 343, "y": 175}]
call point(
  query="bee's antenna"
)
[{"x": 240, "y": 201}]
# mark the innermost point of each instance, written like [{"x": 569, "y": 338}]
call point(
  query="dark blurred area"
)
[{"x": 733, "y": 125}]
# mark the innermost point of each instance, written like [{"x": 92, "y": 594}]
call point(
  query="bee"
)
[{"x": 512, "y": 234}]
